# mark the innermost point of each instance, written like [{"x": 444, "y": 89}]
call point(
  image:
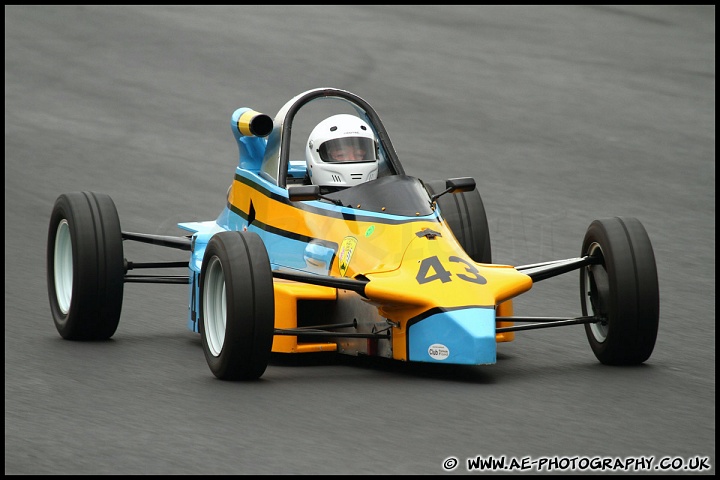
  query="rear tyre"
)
[
  {"x": 623, "y": 289},
  {"x": 465, "y": 214},
  {"x": 85, "y": 266},
  {"x": 237, "y": 306}
]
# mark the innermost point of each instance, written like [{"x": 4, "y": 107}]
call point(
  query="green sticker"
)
[{"x": 370, "y": 230}]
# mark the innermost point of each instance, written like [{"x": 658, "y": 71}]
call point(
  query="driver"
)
[{"x": 341, "y": 152}]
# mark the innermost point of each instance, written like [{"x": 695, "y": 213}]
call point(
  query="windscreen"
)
[{"x": 394, "y": 195}]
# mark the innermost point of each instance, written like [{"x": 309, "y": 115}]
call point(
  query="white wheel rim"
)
[
  {"x": 215, "y": 306},
  {"x": 63, "y": 266},
  {"x": 599, "y": 330}
]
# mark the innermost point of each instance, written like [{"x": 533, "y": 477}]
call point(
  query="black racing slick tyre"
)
[
  {"x": 85, "y": 266},
  {"x": 237, "y": 306},
  {"x": 465, "y": 214},
  {"x": 622, "y": 289}
]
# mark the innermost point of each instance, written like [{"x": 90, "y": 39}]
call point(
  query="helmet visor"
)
[{"x": 348, "y": 149}]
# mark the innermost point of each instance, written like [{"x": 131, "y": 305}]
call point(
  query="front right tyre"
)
[{"x": 237, "y": 306}]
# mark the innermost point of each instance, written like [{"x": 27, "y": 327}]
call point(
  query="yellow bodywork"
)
[
  {"x": 287, "y": 295},
  {"x": 413, "y": 266}
]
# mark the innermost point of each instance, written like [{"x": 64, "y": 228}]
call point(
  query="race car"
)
[{"x": 393, "y": 267}]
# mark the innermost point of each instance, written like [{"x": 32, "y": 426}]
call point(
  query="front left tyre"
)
[
  {"x": 237, "y": 306},
  {"x": 621, "y": 288},
  {"x": 85, "y": 266}
]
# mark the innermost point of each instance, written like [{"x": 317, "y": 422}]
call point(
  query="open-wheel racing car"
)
[{"x": 393, "y": 267}]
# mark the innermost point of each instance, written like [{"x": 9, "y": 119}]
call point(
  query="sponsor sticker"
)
[
  {"x": 438, "y": 351},
  {"x": 346, "y": 251}
]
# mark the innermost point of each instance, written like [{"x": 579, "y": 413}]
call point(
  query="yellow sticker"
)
[{"x": 346, "y": 251}]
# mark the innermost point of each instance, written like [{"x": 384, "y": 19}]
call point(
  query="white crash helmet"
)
[{"x": 341, "y": 132}]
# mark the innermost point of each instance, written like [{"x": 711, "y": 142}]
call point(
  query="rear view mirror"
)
[
  {"x": 455, "y": 185},
  {"x": 462, "y": 184},
  {"x": 301, "y": 193}
]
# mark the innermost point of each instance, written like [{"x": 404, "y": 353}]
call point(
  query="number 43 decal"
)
[{"x": 440, "y": 273}]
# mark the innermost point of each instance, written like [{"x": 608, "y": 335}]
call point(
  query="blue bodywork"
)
[{"x": 464, "y": 336}]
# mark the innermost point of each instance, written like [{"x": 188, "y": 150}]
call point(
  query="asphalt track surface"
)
[{"x": 562, "y": 114}]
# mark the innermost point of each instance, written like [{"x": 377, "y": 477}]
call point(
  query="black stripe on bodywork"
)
[
  {"x": 283, "y": 233},
  {"x": 332, "y": 211}
]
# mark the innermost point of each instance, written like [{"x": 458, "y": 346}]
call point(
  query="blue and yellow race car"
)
[{"x": 380, "y": 263}]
